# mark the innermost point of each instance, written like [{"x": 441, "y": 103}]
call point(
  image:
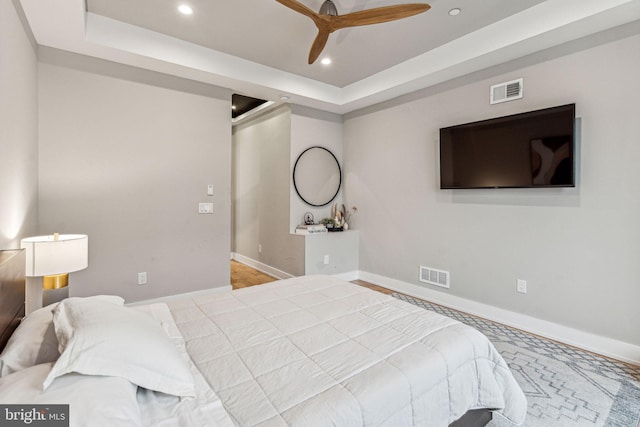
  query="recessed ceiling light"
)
[
  {"x": 185, "y": 9},
  {"x": 326, "y": 61},
  {"x": 284, "y": 98},
  {"x": 455, "y": 11}
]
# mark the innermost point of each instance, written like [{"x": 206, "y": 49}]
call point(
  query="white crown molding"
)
[{"x": 65, "y": 25}]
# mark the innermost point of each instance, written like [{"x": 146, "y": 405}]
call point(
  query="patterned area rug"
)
[{"x": 564, "y": 386}]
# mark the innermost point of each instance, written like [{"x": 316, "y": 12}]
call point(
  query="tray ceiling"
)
[{"x": 259, "y": 47}]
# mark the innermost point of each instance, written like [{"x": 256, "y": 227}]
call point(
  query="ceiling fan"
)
[{"x": 327, "y": 19}]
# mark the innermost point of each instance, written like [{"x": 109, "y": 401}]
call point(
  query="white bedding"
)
[
  {"x": 106, "y": 395},
  {"x": 316, "y": 350},
  {"x": 308, "y": 351},
  {"x": 162, "y": 410}
]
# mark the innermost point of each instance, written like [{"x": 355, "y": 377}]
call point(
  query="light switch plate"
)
[{"x": 521, "y": 286}]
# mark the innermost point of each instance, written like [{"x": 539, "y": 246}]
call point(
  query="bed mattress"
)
[{"x": 316, "y": 350}]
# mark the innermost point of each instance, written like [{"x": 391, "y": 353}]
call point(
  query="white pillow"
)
[
  {"x": 93, "y": 401},
  {"x": 100, "y": 338},
  {"x": 34, "y": 341}
]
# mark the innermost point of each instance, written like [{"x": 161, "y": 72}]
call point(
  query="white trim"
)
[
  {"x": 264, "y": 107},
  {"x": 279, "y": 274},
  {"x": 266, "y": 269},
  {"x": 349, "y": 276},
  {"x": 194, "y": 294},
  {"x": 609, "y": 347}
]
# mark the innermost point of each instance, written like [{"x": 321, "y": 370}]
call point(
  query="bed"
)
[{"x": 307, "y": 351}]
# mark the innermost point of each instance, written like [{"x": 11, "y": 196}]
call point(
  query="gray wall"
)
[
  {"x": 578, "y": 248},
  {"x": 125, "y": 157},
  {"x": 266, "y": 206},
  {"x": 261, "y": 177},
  {"x": 310, "y": 128},
  {"x": 18, "y": 130}
]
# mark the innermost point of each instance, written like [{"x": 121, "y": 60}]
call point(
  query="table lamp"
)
[{"x": 52, "y": 258}]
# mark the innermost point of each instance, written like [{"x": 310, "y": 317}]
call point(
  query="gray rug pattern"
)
[{"x": 565, "y": 386}]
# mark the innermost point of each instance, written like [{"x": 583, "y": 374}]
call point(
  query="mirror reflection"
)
[{"x": 317, "y": 176}]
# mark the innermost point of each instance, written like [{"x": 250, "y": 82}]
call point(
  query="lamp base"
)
[
  {"x": 49, "y": 296},
  {"x": 55, "y": 281},
  {"x": 43, "y": 291}
]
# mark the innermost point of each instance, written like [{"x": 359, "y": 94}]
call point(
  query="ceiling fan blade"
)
[
  {"x": 300, "y": 8},
  {"x": 377, "y": 15},
  {"x": 318, "y": 44},
  {"x": 328, "y": 23}
]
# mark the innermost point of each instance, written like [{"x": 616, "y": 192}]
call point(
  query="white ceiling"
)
[{"x": 260, "y": 47}]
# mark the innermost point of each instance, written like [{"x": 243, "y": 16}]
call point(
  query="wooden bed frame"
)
[
  {"x": 12, "y": 292},
  {"x": 12, "y": 305}
]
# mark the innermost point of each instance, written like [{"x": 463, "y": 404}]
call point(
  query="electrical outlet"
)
[
  {"x": 521, "y": 286},
  {"x": 205, "y": 208},
  {"x": 259, "y": 248},
  {"x": 142, "y": 278},
  {"x": 326, "y": 260}
]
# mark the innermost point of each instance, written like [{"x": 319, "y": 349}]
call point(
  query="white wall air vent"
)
[
  {"x": 507, "y": 91},
  {"x": 434, "y": 277}
]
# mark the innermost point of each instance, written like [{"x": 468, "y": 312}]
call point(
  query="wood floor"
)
[{"x": 243, "y": 276}]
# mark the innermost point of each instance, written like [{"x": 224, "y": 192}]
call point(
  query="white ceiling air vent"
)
[
  {"x": 434, "y": 277},
  {"x": 507, "y": 91}
]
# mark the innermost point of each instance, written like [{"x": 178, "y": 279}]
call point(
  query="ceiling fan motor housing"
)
[{"x": 328, "y": 8}]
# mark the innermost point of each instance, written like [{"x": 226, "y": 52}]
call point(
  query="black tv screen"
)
[{"x": 533, "y": 149}]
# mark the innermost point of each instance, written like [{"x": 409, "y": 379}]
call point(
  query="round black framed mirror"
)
[{"x": 317, "y": 176}]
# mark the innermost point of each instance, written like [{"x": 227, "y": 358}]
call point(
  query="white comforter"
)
[
  {"x": 316, "y": 350},
  {"x": 163, "y": 410}
]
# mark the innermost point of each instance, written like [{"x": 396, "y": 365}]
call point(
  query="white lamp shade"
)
[{"x": 46, "y": 256}]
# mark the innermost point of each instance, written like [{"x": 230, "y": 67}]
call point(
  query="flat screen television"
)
[{"x": 527, "y": 150}]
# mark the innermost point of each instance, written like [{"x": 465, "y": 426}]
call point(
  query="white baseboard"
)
[
  {"x": 267, "y": 269},
  {"x": 609, "y": 347},
  {"x": 279, "y": 274},
  {"x": 349, "y": 276}
]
